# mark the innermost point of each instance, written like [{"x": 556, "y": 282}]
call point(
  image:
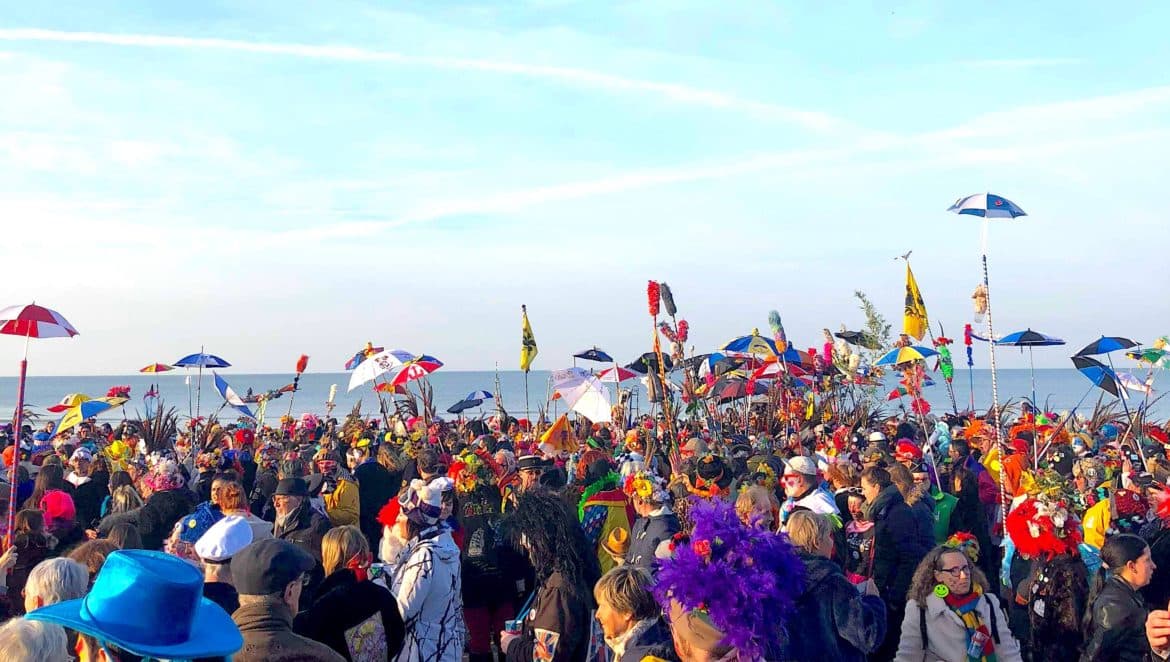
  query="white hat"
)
[
  {"x": 81, "y": 454},
  {"x": 801, "y": 464},
  {"x": 877, "y": 436},
  {"x": 224, "y": 539}
]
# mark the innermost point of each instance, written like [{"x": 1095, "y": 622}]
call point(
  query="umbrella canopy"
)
[
  {"x": 1100, "y": 374},
  {"x": 201, "y": 360},
  {"x": 86, "y": 410},
  {"x": 463, "y": 405},
  {"x": 374, "y": 367},
  {"x": 773, "y": 369},
  {"x": 987, "y": 205},
  {"x": 858, "y": 338},
  {"x": 1132, "y": 383},
  {"x": 417, "y": 368},
  {"x": 649, "y": 360},
  {"x": 594, "y": 354},
  {"x": 1106, "y": 344},
  {"x": 583, "y": 393},
  {"x": 730, "y": 388},
  {"x": 752, "y": 344},
  {"x": 479, "y": 395},
  {"x": 68, "y": 402},
  {"x": 904, "y": 354},
  {"x": 616, "y": 375},
  {"x": 156, "y": 367},
  {"x": 33, "y": 321},
  {"x": 363, "y": 354},
  {"x": 1029, "y": 338}
]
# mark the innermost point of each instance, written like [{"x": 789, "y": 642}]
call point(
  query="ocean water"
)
[{"x": 1059, "y": 388}]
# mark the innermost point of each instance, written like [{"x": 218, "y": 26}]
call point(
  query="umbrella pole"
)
[
  {"x": 1035, "y": 441},
  {"x": 1003, "y": 496},
  {"x": 1125, "y": 405},
  {"x": 17, "y": 424},
  {"x": 526, "y": 410}
]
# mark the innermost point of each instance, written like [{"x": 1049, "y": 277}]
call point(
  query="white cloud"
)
[
  {"x": 686, "y": 94},
  {"x": 1021, "y": 63}
]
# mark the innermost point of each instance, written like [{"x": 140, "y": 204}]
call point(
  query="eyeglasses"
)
[{"x": 957, "y": 571}]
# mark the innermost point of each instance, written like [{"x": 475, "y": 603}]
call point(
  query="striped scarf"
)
[{"x": 967, "y": 607}]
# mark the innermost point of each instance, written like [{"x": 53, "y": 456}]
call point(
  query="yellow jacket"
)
[
  {"x": 342, "y": 504},
  {"x": 1096, "y": 523}
]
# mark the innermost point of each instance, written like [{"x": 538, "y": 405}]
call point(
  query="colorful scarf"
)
[{"x": 967, "y": 607}]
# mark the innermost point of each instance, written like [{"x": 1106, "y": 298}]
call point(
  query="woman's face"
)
[
  {"x": 855, "y": 504},
  {"x": 953, "y": 570},
  {"x": 1140, "y": 572},
  {"x": 613, "y": 623}
]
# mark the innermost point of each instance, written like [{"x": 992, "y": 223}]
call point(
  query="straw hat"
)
[{"x": 618, "y": 542}]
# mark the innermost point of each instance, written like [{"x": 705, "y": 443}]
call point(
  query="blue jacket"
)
[
  {"x": 647, "y": 534},
  {"x": 655, "y": 642},
  {"x": 832, "y": 621}
]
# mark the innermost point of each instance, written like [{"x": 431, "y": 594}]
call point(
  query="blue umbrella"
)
[
  {"x": 479, "y": 395},
  {"x": 201, "y": 360},
  {"x": 1106, "y": 344},
  {"x": 459, "y": 407},
  {"x": 987, "y": 205},
  {"x": 594, "y": 354},
  {"x": 1029, "y": 338},
  {"x": 1100, "y": 374},
  {"x": 904, "y": 354},
  {"x": 753, "y": 344}
]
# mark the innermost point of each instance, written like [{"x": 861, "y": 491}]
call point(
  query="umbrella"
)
[
  {"x": 87, "y": 410},
  {"x": 416, "y": 368},
  {"x": 773, "y": 369},
  {"x": 373, "y": 367},
  {"x": 68, "y": 402},
  {"x": 858, "y": 338},
  {"x": 462, "y": 405},
  {"x": 156, "y": 367},
  {"x": 1106, "y": 344},
  {"x": 1101, "y": 375},
  {"x": 200, "y": 360},
  {"x": 30, "y": 321},
  {"x": 1132, "y": 383},
  {"x": 1029, "y": 338},
  {"x": 752, "y": 344},
  {"x": 583, "y": 393},
  {"x": 729, "y": 388},
  {"x": 479, "y": 395},
  {"x": 363, "y": 354},
  {"x": 987, "y": 205},
  {"x": 616, "y": 374},
  {"x": 649, "y": 360},
  {"x": 594, "y": 354},
  {"x": 904, "y": 354}
]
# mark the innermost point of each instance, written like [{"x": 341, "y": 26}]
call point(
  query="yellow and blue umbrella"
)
[
  {"x": 87, "y": 410},
  {"x": 906, "y": 354}
]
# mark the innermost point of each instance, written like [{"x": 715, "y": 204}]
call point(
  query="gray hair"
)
[
  {"x": 22, "y": 640},
  {"x": 124, "y": 499},
  {"x": 55, "y": 580}
]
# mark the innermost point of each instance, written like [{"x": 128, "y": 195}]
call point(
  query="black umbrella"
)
[
  {"x": 728, "y": 388},
  {"x": 649, "y": 360},
  {"x": 1100, "y": 374},
  {"x": 859, "y": 338},
  {"x": 594, "y": 354},
  {"x": 463, "y": 405},
  {"x": 1106, "y": 344}
]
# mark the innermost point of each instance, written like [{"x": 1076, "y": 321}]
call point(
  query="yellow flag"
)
[
  {"x": 527, "y": 341},
  {"x": 914, "y": 316},
  {"x": 560, "y": 435}
]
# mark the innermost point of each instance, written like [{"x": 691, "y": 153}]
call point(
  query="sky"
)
[{"x": 266, "y": 179}]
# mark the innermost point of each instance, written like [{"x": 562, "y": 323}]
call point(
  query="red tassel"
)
[
  {"x": 653, "y": 297},
  {"x": 667, "y": 331},
  {"x": 302, "y": 363},
  {"x": 683, "y": 330}
]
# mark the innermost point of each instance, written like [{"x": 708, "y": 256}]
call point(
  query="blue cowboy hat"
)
[{"x": 149, "y": 604}]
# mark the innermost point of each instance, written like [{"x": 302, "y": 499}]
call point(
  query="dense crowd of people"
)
[{"x": 907, "y": 538}]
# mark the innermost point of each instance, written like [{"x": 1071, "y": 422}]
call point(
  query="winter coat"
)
[
  {"x": 305, "y": 530},
  {"x": 30, "y": 550},
  {"x": 268, "y": 636},
  {"x": 1117, "y": 631},
  {"x": 654, "y": 641},
  {"x": 376, "y": 486},
  {"x": 832, "y": 621},
  {"x": 341, "y": 504},
  {"x": 491, "y": 567},
  {"x": 859, "y": 548},
  {"x": 558, "y": 624},
  {"x": 260, "y": 497},
  {"x": 428, "y": 587},
  {"x": 359, "y": 620},
  {"x": 88, "y": 498},
  {"x": 946, "y": 636},
  {"x": 969, "y": 515},
  {"x": 158, "y": 515},
  {"x": 1053, "y": 632},
  {"x": 113, "y": 519},
  {"x": 222, "y": 594},
  {"x": 898, "y": 544},
  {"x": 922, "y": 506},
  {"x": 647, "y": 534}
]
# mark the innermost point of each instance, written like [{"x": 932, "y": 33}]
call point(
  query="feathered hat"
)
[
  {"x": 1040, "y": 527},
  {"x": 703, "y": 585},
  {"x": 965, "y": 543},
  {"x": 647, "y": 486}
]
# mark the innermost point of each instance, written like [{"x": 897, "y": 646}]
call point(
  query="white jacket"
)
[
  {"x": 948, "y": 636},
  {"x": 428, "y": 587}
]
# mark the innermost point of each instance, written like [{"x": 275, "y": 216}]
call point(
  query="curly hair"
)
[
  {"x": 545, "y": 525},
  {"x": 922, "y": 585}
]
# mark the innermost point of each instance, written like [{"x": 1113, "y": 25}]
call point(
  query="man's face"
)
[
  {"x": 870, "y": 490},
  {"x": 794, "y": 484},
  {"x": 285, "y": 504},
  {"x": 530, "y": 478},
  {"x": 81, "y": 467}
]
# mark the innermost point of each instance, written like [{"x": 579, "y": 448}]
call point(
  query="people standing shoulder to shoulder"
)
[
  {"x": 952, "y": 615},
  {"x": 339, "y": 491},
  {"x": 803, "y": 489},
  {"x": 1117, "y": 613},
  {"x": 215, "y": 548},
  {"x": 656, "y": 523},
  {"x": 630, "y": 618}
]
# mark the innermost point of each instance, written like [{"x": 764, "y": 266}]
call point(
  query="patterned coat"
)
[{"x": 428, "y": 587}]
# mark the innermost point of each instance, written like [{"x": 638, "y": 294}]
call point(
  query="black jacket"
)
[
  {"x": 897, "y": 545},
  {"x": 376, "y": 486},
  {"x": 1117, "y": 629},
  {"x": 306, "y": 530},
  {"x": 832, "y": 621},
  {"x": 647, "y": 534},
  {"x": 260, "y": 497},
  {"x": 158, "y": 515},
  {"x": 343, "y": 603},
  {"x": 88, "y": 498},
  {"x": 489, "y": 564},
  {"x": 563, "y": 615}
]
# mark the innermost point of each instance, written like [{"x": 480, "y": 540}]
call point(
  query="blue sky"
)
[{"x": 271, "y": 178}]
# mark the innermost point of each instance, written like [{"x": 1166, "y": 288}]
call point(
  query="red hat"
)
[
  {"x": 1020, "y": 446},
  {"x": 58, "y": 506},
  {"x": 907, "y": 450},
  {"x": 389, "y": 513},
  {"x": 1044, "y": 528}
]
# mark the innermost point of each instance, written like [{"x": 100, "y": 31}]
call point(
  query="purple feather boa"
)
[{"x": 747, "y": 582}]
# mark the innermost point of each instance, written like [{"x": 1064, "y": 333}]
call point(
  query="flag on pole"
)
[
  {"x": 560, "y": 435},
  {"x": 527, "y": 341},
  {"x": 914, "y": 316},
  {"x": 231, "y": 397}
]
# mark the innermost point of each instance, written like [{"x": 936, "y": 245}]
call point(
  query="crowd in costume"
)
[{"x": 902, "y": 538}]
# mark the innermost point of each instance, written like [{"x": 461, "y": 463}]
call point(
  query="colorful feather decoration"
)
[
  {"x": 667, "y": 299},
  {"x": 664, "y": 327},
  {"x": 302, "y": 363},
  {"x": 778, "y": 331},
  {"x": 653, "y": 294},
  {"x": 684, "y": 330}
]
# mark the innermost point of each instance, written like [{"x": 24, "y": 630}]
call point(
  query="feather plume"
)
[
  {"x": 653, "y": 295},
  {"x": 777, "y": 330},
  {"x": 664, "y": 327},
  {"x": 667, "y": 299},
  {"x": 684, "y": 330},
  {"x": 302, "y": 363}
]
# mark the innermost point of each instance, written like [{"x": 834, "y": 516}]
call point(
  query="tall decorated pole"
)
[
  {"x": 528, "y": 353},
  {"x": 302, "y": 364},
  {"x": 653, "y": 302},
  {"x": 988, "y": 206},
  {"x": 31, "y": 321}
]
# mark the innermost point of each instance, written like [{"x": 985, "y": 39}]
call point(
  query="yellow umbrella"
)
[
  {"x": 86, "y": 410},
  {"x": 904, "y": 354},
  {"x": 68, "y": 402}
]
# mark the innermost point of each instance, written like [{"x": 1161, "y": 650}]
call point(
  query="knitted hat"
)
[
  {"x": 422, "y": 502},
  {"x": 57, "y": 506}
]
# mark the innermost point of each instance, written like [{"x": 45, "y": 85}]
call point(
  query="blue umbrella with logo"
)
[
  {"x": 199, "y": 360},
  {"x": 1029, "y": 338}
]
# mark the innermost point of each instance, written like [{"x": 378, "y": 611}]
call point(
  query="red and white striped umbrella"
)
[
  {"x": 33, "y": 321},
  {"x": 616, "y": 374}
]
